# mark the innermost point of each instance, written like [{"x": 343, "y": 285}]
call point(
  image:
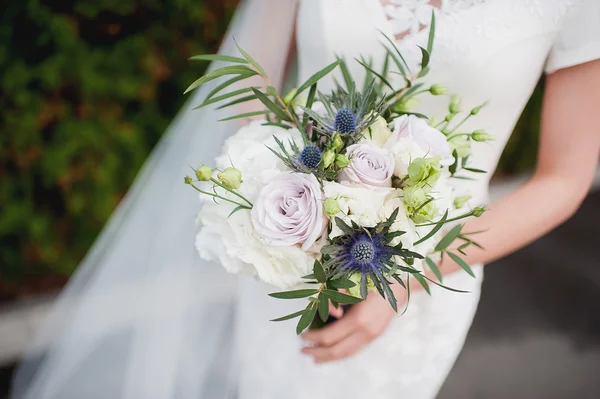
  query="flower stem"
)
[
  {"x": 220, "y": 197},
  {"x": 218, "y": 183}
]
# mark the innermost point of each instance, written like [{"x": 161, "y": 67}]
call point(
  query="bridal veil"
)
[{"x": 144, "y": 317}]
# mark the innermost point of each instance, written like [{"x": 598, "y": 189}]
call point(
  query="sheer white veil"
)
[{"x": 144, "y": 317}]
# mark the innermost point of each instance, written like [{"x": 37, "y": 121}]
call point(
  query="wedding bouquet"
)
[{"x": 336, "y": 195}]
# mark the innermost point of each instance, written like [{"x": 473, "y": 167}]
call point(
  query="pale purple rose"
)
[
  {"x": 370, "y": 165},
  {"x": 431, "y": 141},
  {"x": 289, "y": 211}
]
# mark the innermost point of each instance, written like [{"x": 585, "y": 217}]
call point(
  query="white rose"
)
[
  {"x": 358, "y": 204},
  {"x": 414, "y": 138},
  {"x": 369, "y": 165}
]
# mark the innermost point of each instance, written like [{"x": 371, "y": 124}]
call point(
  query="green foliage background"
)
[{"x": 86, "y": 90}]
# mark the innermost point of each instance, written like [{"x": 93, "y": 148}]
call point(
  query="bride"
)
[{"x": 144, "y": 318}]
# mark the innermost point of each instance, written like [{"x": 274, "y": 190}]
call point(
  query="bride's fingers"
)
[
  {"x": 336, "y": 312},
  {"x": 331, "y": 334},
  {"x": 345, "y": 348}
]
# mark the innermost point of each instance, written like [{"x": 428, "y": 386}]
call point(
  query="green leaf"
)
[
  {"x": 423, "y": 283},
  {"x": 460, "y": 262},
  {"x": 238, "y": 101},
  {"x": 424, "y": 61},
  {"x": 341, "y": 298},
  {"x": 251, "y": 60},
  {"x": 449, "y": 238},
  {"x": 294, "y": 294},
  {"x": 342, "y": 283},
  {"x": 383, "y": 79},
  {"x": 280, "y": 113},
  {"x": 217, "y": 57},
  {"x": 319, "y": 272},
  {"x": 475, "y": 170},
  {"x": 431, "y": 33},
  {"x": 224, "y": 97},
  {"x": 323, "y": 308},
  {"x": 446, "y": 287},
  {"x": 307, "y": 318},
  {"x": 316, "y": 77},
  {"x": 309, "y": 102},
  {"x": 291, "y": 316},
  {"x": 346, "y": 74},
  {"x": 228, "y": 70},
  {"x": 437, "y": 227},
  {"x": 246, "y": 115},
  {"x": 343, "y": 226},
  {"x": 434, "y": 268},
  {"x": 398, "y": 64},
  {"x": 239, "y": 208},
  {"x": 228, "y": 83}
]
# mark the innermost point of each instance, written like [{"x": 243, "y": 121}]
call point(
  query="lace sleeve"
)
[{"x": 578, "y": 40}]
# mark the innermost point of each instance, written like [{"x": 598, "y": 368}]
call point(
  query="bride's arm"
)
[{"x": 567, "y": 159}]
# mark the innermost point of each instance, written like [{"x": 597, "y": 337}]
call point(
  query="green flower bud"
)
[
  {"x": 328, "y": 158},
  {"x": 338, "y": 142},
  {"x": 332, "y": 207},
  {"x": 461, "y": 145},
  {"x": 416, "y": 205},
  {"x": 187, "y": 180},
  {"x": 342, "y": 161},
  {"x": 478, "y": 211},
  {"x": 406, "y": 104},
  {"x": 355, "y": 278},
  {"x": 231, "y": 178},
  {"x": 476, "y": 110},
  {"x": 425, "y": 170},
  {"x": 482, "y": 136},
  {"x": 459, "y": 202},
  {"x": 203, "y": 173},
  {"x": 437, "y": 90},
  {"x": 454, "y": 106},
  {"x": 287, "y": 99}
]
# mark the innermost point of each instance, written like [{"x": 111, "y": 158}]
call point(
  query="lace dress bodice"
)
[{"x": 485, "y": 50}]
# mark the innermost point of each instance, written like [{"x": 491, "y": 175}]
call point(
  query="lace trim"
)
[{"x": 408, "y": 17}]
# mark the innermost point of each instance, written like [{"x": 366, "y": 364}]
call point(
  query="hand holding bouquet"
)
[{"x": 342, "y": 191}]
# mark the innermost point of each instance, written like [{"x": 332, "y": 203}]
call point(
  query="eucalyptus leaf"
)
[
  {"x": 228, "y": 83},
  {"x": 251, "y": 60},
  {"x": 433, "y": 231},
  {"x": 291, "y": 316},
  {"x": 434, "y": 268},
  {"x": 323, "y": 308},
  {"x": 342, "y": 283},
  {"x": 294, "y": 294},
  {"x": 316, "y": 77},
  {"x": 224, "y": 96},
  {"x": 217, "y": 57},
  {"x": 381, "y": 77},
  {"x": 341, "y": 298},
  {"x": 276, "y": 109},
  {"x": 238, "y": 101},
  {"x": 449, "y": 238},
  {"x": 246, "y": 115},
  {"x": 475, "y": 170},
  {"x": 228, "y": 70},
  {"x": 307, "y": 318},
  {"x": 421, "y": 280},
  {"x": 460, "y": 262},
  {"x": 319, "y": 272},
  {"x": 431, "y": 33}
]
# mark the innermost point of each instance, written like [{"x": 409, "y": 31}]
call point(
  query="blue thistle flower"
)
[
  {"x": 364, "y": 253},
  {"x": 310, "y": 156},
  {"x": 345, "y": 121}
]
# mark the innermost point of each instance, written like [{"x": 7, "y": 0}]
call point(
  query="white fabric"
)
[
  {"x": 145, "y": 319},
  {"x": 492, "y": 50}
]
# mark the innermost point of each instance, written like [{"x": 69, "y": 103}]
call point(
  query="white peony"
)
[{"x": 233, "y": 240}]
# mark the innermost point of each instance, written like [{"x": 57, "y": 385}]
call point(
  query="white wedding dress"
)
[
  {"x": 144, "y": 318},
  {"x": 484, "y": 50}
]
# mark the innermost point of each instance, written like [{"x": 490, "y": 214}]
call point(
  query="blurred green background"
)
[{"x": 86, "y": 90}]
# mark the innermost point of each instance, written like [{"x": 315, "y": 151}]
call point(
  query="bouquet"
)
[{"x": 335, "y": 195}]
